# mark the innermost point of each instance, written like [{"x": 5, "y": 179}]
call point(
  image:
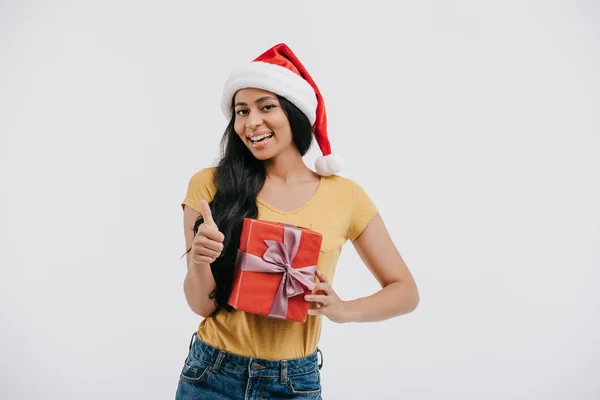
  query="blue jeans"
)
[{"x": 211, "y": 373}]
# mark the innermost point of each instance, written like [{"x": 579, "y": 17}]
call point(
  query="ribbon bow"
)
[{"x": 278, "y": 258}]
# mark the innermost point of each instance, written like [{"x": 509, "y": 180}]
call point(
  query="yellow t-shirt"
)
[{"x": 339, "y": 209}]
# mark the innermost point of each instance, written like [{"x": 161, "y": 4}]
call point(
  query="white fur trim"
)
[
  {"x": 274, "y": 78},
  {"x": 329, "y": 165}
]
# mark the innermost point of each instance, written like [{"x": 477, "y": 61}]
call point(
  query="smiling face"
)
[{"x": 261, "y": 123}]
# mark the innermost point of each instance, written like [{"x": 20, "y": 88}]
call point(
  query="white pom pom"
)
[{"x": 329, "y": 165}]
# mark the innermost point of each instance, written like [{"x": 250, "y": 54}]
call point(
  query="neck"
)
[{"x": 288, "y": 168}]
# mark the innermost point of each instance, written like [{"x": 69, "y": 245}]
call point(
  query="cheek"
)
[
  {"x": 287, "y": 133},
  {"x": 284, "y": 128},
  {"x": 238, "y": 127}
]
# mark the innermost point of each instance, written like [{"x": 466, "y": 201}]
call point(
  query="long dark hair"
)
[{"x": 238, "y": 178}]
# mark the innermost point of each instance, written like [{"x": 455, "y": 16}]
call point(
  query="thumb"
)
[{"x": 206, "y": 213}]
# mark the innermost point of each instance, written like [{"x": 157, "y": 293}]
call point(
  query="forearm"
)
[
  {"x": 395, "y": 299},
  {"x": 197, "y": 286}
]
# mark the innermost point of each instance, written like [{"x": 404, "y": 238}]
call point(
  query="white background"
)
[{"x": 473, "y": 125}]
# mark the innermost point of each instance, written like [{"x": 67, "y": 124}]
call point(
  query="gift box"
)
[{"x": 275, "y": 267}]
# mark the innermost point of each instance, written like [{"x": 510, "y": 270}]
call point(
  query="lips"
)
[
  {"x": 259, "y": 140},
  {"x": 258, "y": 137}
]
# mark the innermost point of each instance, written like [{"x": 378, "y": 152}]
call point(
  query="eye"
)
[
  {"x": 240, "y": 112},
  {"x": 268, "y": 107}
]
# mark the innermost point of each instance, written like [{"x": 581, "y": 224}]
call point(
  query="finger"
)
[
  {"x": 209, "y": 244},
  {"x": 202, "y": 260},
  {"x": 318, "y": 298},
  {"x": 206, "y": 213},
  {"x": 211, "y": 233},
  {"x": 204, "y": 252},
  {"x": 322, "y": 277},
  {"x": 323, "y": 287}
]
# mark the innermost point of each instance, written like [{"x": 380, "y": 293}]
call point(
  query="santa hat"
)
[{"x": 278, "y": 70}]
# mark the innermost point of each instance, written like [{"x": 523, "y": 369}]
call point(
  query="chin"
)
[{"x": 262, "y": 155}]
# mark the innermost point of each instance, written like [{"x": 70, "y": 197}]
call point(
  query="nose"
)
[{"x": 253, "y": 121}]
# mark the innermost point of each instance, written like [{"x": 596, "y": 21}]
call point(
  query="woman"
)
[{"x": 275, "y": 109}]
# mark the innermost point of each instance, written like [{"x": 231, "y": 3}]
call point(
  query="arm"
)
[
  {"x": 199, "y": 281},
  {"x": 398, "y": 296}
]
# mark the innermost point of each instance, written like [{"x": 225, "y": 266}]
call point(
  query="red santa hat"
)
[{"x": 278, "y": 70}]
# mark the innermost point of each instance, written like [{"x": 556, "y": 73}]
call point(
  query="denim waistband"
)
[{"x": 222, "y": 360}]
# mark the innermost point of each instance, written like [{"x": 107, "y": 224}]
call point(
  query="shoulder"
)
[
  {"x": 343, "y": 185},
  {"x": 203, "y": 180},
  {"x": 204, "y": 175},
  {"x": 201, "y": 186},
  {"x": 353, "y": 192}
]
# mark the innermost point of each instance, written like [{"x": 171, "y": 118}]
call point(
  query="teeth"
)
[{"x": 257, "y": 138}]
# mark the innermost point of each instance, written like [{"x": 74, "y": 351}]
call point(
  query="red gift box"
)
[{"x": 275, "y": 268}]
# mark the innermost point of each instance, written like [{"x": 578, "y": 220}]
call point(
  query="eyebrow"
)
[{"x": 241, "y": 103}]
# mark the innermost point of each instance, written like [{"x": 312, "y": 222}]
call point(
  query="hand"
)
[
  {"x": 331, "y": 305},
  {"x": 208, "y": 242}
]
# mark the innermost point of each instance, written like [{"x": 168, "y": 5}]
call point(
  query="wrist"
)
[
  {"x": 197, "y": 267},
  {"x": 350, "y": 308}
]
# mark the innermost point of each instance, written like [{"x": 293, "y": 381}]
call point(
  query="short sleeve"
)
[
  {"x": 363, "y": 211},
  {"x": 200, "y": 187}
]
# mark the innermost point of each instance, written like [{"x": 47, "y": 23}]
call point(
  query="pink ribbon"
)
[{"x": 278, "y": 258}]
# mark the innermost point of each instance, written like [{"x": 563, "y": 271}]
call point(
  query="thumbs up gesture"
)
[{"x": 208, "y": 242}]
